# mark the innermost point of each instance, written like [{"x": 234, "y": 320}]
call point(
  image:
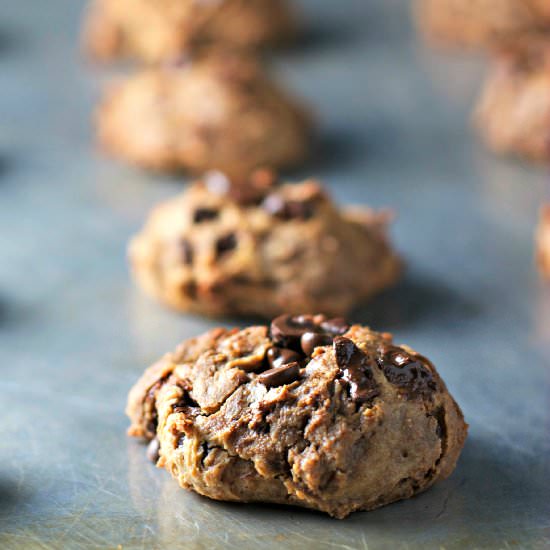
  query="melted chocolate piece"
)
[
  {"x": 243, "y": 192},
  {"x": 153, "y": 450},
  {"x": 205, "y": 214},
  {"x": 406, "y": 372},
  {"x": 186, "y": 252},
  {"x": 277, "y": 357},
  {"x": 311, "y": 340},
  {"x": 288, "y": 210},
  {"x": 286, "y": 330},
  {"x": 225, "y": 244},
  {"x": 303, "y": 333},
  {"x": 217, "y": 182},
  {"x": 356, "y": 371},
  {"x": 280, "y": 375},
  {"x": 336, "y": 326}
]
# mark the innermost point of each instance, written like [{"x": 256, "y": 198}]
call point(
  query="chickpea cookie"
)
[
  {"x": 309, "y": 411},
  {"x": 513, "y": 112},
  {"x": 261, "y": 247},
  {"x": 217, "y": 111},
  {"x": 542, "y": 241},
  {"x": 160, "y": 30},
  {"x": 475, "y": 23}
]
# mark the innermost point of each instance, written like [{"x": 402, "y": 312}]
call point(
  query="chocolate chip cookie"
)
[
  {"x": 218, "y": 111},
  {"x": 513, "y": 112},
  {"x": 261, "y": 247},
  {"x": 311, "y": 412},
  {"x": 158, "y": 30},
  {"x": 481, "y": 22}
]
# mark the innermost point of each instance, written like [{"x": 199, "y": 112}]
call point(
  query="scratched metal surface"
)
[{"x": 75, "y": 334}]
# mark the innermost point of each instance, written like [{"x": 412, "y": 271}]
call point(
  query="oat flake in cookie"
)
[
  {"x": 157, "y": 30},
  {"x": 262, "y": 247},
  {"x": 216, "y": 110},
  {"x": 309, "y": 411}
]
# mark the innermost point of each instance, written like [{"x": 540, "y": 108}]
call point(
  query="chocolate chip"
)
[
  {"x": 225, "y": 244},
  {"x": 286, "y": 209},
  {"x": 336, "y": 326},
  {"x": 278, "y": 357},
  {"x": 153, "y": 450},
  {"x": 274, "y": 205},
  {"x": 243, "y": 192},
  {"x": 356, "y": 371},
  {"x": 205, "y": 214},
  {"x": 279, "y": 376},
  {"x": 286, "y": 330},
  {"x": 311, "y": 340},
  {"x": 406, "y": 372},
  {"x": 217, "y": 182},
  {"x": 186, "y": 252}
]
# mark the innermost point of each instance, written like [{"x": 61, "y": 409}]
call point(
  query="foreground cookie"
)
[
  {"x": 219, "y": 111},
  {"x": 542, "y": 241},
  {"x": 513, "y": 113},
  {"x": 261, "y": 248},
  {"x": 481, "y": 22},
  {"x": 311, "y": 412},
  {"x": 157, "y": 30}
]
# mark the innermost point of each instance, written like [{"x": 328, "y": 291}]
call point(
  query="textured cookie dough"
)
[
  {"x": 513, "y": 113},
  {"x": 159, "y": 30},
  {"x": 311, "y": 412},
  {"x": 218, "y": 111},
  {"x": 261, "y": 247},
  {"x": 542, "y": 241},
  {"x": 481, "y": 22}
]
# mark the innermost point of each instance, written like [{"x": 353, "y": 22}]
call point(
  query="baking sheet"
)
[{"x": 75, "y": 334}]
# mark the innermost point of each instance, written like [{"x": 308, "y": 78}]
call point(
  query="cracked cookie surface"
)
[
  {"x": 218, "y": 110},
  {"x": 157, "y": 30},
  {"x": 262, "y": 247},
  {"x": 513, "y": 112},
  {"x": 310, "y": 411}
]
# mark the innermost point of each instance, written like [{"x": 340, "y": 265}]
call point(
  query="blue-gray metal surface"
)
[{"x": 75, "y": 333}]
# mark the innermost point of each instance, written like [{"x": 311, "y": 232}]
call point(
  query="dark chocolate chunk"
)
[
  {"x": 310, "y": 340},
  {"x": 225, "y": 244},
  {"x": 280, "y": 375},
  {"x": 217, "y": 182},
  {"x": 243, "y": 192},
  {"x": 336, "y": 326},
  {"x": 356, "y": 371},
  {"x": 205, "y": 214},
  {"x": 278, "y": 357},
  {"x": 153, "y": 450},
  {"x": 287, "y": 210},
  {"x": 287, "y": 330},
  {"x": 406, "y": 372},
  {"x": 186, "y": 252}
]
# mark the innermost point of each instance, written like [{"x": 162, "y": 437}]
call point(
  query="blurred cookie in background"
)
[
  {"x": 158, "y": 30},
  {"x": 219, "y": 111},
  {"x": 513, "y": 112},
  {"x": 474, "y": 23},
  {"x": 542, "y": 241},
  {"x": 261, "y": 247}
]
